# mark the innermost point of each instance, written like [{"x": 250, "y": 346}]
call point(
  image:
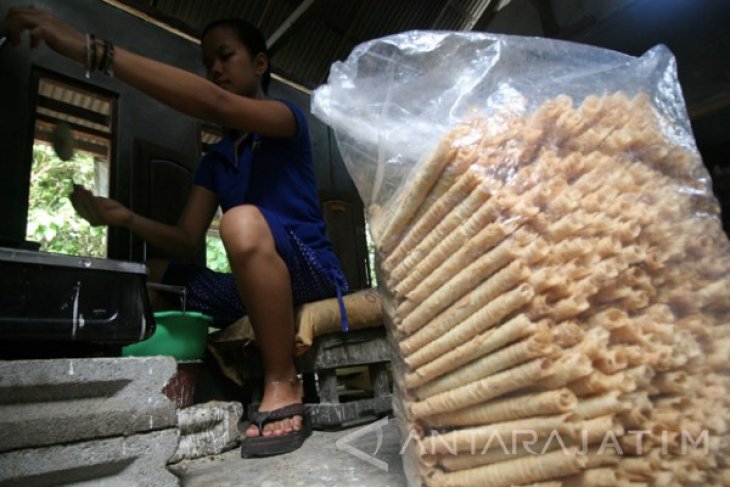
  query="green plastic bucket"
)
[{"x": 180, "y": 334}]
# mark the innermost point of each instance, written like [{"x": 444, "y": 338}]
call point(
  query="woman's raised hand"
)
[
  {"x": 44, "y": 27},
  {"x": 98, "y": 210}
]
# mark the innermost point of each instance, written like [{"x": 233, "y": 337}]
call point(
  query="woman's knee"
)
[{"x": 244, "y": 231}]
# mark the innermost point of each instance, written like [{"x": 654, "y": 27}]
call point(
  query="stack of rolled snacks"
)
[{"x": 559, "y": 293}]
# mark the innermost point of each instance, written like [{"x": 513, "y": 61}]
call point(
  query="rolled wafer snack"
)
[
  {"x": 537, "y": 345},
  {"x": 464, "y": 160},
  {"x": 615, "y": 110},
  {"x": 549, "y": 112},
  {"x": 464, "y": 461},
  {"x": 607, "y": 457},
  {"x": 594, "y": 477},
  {"x": 482, "y": 438},
  {"x": 612, "y": 360},
  {"x": 567, "y": 334},
  {"x": 516, "y": 328},
  {"x": 568, "y": 308},
  {"x": 597, "y": 259},
  {"x": 645, "y": 468},
  {"x": 488, "y": 316},
  {"x": 416, "y": 191},
  {"x": 670, "y": 382},
  {"x": 520, "y": 471},
  {"x": 596, "y": 430},
  {"x": 566, "y": 369},
  {"x": 714, "y": 360},
  {"x": 666, "y": 419},
  {"x": 462, "y": 224},
  {"x": 458, "y": 192},
  {"x": 594, "y": 344},
  {"x": 482, "y": 390},
  {"x": 642, "y": 375},
  {"x": 636, "y": 417},
  {"x": 636, "y": 443},
  {"x": 488, "y": 238},
  {"x": 522, "y": 406},
  {"x": 476, "y": 200},
  {"x": 605, "y": 404},
  {"x": 548, "y": 276},
  {"x": 597, "y": 383},
  {"x": 495, "y": 231},
  {"x": 499, "y": 283}
]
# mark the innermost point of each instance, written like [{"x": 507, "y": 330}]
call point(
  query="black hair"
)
[{"x": 251, "y": 37}]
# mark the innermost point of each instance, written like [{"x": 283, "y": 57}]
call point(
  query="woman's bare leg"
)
[{"x": 263, "y": 281}]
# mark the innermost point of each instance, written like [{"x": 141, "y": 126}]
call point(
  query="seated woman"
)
[{"x": 261, "y": 174}]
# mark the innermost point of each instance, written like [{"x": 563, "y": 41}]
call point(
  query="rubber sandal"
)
[{"x": 263, "y": 446}]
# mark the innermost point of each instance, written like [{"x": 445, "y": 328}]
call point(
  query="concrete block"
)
[
  {"x": 207, "y": 429},
  {"x": 138, "y": 460},
  {"x": 47, "y": 402}
]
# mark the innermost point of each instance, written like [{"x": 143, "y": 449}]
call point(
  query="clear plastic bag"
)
[
  {"x": 550, "y": 253},
  {"x": 393, "y": 98}
]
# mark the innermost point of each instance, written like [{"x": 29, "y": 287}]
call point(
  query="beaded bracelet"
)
[
  {"x": 93, "y": 62},
  {"x": 107, "y": 59}
]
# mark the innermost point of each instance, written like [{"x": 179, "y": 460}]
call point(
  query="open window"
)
[
  {"x": 89, "y": 114},
  {"x": 215, "y": 255}
]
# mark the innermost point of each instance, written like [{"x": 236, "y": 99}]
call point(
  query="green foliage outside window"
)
[
  {"x": 52, "y": 221},
  {"x": 215, "y": 254}
]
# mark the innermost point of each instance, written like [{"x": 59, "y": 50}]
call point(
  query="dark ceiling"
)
[{"x": 307, "y": 36}]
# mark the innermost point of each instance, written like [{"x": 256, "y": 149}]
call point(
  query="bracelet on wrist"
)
[
  {"x": 107, "y": 59},
  {"x": 99, "y": 57}
]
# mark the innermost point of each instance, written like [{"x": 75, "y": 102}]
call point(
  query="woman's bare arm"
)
[
  {"x": 180, "y": 240},
  {"x": 175, "y": 87}
]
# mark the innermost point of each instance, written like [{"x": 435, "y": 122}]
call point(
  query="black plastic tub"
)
[{"x": 52, "y": 297}]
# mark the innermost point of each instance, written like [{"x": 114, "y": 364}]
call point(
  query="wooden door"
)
[
  {"x": 343, "y": 213},
  {"x": 161, "y": 184}
]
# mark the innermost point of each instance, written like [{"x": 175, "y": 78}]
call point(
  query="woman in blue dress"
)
[{"x": 260, "y": 174}]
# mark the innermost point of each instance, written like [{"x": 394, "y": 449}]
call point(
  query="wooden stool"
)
[
  {"x": 319, "y": 366},
  {"x": 330, "y": 353}
]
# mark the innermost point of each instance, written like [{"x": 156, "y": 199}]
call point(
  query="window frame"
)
[{"x": 37, "y": 73}]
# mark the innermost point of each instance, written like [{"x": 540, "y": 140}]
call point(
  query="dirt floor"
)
[{"x": 321, "y": 461}]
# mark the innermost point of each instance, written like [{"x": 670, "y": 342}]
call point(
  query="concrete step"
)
[
  {"x": 137, "y": 460},
  {"x": 48, "y": 402}
]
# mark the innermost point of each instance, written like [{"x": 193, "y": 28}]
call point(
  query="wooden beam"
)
[
  {"x": 470, "y": 17},
  {"x": 286, "y": 26},
  {"x": 717, "y": 103},
  {"x": 79, "y": 128},
  {"x": 74, "y": 111},
  {"x": 157, "y": 18},
  {"x": 482, "y": 9}
]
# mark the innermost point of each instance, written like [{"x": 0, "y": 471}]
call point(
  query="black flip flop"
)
[{"x": 263, "y": 446}]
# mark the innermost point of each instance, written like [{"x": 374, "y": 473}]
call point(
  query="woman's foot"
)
[{"x": 277, "y": 394}]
